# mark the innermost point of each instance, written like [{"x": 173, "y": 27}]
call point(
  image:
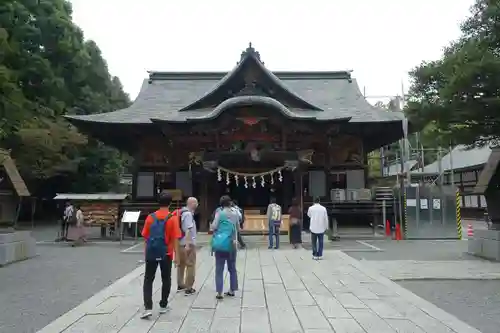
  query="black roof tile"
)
[{"x": 330, "y": 95}]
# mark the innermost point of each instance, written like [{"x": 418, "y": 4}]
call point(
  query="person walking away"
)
[
  {"x": 295, "y": 223},
  {"x": 241, "y": 242},
  {"x": 187, "y": 248},
  {"x": 69, "y": 218},
  {"x": 225, "y": 227},
  {"x": 161, "y": 232},
  {"x": 274, "y": 222},
  {"x": 77, "y": 232},
  {"x": 318, "y": 225}
]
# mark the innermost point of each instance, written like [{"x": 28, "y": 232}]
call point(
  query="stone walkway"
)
[{"x": 283, "y": 291}]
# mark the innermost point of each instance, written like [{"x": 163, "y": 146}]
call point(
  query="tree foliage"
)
[
  {"x": 48, "y": 70},
  {"x": 459, "y": 94}
]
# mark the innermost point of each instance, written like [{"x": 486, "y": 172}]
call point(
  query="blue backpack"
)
[
  {"x": 156, "y": 248},
  {"x": 222, "y": 239}
]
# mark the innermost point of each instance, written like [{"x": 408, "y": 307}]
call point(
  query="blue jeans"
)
[
  {"x": 317, "y": 244},
  {"x": 220, "y": 261},
  {"x": 274, "y": 232}
]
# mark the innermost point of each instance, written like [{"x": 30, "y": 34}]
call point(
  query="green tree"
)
[
  {"x": 48, "y": 70},
  {"x": 459, "y": 93}
]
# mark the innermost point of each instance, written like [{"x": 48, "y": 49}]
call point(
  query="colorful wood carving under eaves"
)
[{"x": 346, "y": 149}]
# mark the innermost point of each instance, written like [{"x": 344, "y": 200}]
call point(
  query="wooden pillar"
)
[
  {"x": 297, "y": 175},
  {"x": 135, "y": 171},
  {"x": 287, "y": 189},
  {"x": 283, "y": 138},
  {"x": 204, "y": 209},
  {"x": 299, "y": 188}
]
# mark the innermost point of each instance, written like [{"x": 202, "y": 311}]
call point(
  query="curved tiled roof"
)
[
  {"x": 161, "y": 99},
  {"x": 168, "y": 96},
  {"x": 253, "y": 100}
]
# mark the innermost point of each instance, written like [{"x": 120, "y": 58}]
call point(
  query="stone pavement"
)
[
  {"x": 282, "y": 291},
  {"x": 449, "y": 270}
]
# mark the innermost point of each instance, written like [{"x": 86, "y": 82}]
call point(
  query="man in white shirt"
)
[{"x": 318, "y": 225}]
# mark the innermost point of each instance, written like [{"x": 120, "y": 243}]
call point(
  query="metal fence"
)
[{"x": 431, "y": 212}]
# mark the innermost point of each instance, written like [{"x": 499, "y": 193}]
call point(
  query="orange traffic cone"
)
[
  {"x": 398, "y": 232},
  {"x": 388, "y": 231},
  {"x": 470, "y": 230}
]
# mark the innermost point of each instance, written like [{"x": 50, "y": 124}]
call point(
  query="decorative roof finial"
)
[{"x": 250, "y": 51}]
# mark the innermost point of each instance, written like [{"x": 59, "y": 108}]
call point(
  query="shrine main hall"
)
[{"x": 250, "y": 132}]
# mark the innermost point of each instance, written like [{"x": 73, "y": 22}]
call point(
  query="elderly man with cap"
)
[{"x": 187, "y": 248}]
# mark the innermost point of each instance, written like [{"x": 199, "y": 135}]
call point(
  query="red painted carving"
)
[{"x": 250, "y": 121}]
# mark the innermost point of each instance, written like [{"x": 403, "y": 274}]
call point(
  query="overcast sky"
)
[{"x": 381, "y": 40}]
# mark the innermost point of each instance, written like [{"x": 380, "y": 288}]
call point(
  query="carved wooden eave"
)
[
  {"x": 250, "y": 75},
  {"x": 253, "y": 101}
]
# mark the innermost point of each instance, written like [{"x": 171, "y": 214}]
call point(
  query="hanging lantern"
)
[
  {"x": 272, "y": 178},
  {"x": 219, "y": 175},
  {"x": 254, "y": 184},
  {"x": 246, "y": 182},
  {"x": 228, "y": 179},
  {"x": 262, "y": 181},
  {"x": 280, "y": 177},
  {"x": 236, "y": 180}
]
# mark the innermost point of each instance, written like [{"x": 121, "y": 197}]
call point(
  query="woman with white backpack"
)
[{"x": 225, "y": 227}]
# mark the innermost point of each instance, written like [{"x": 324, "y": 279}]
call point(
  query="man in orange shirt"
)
[{"x": 161, "y": 232}]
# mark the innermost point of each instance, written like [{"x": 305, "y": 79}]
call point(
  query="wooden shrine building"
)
[{"x": 248, "y": 132}]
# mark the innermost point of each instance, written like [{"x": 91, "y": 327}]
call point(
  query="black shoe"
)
[
  {"x": 219, "y": 297},
  {"x": 180, "y": 288},
  {"x": 230, "y": 294},
  {"x": 276, "y": 247},
  {"x": 190, "y": 291},
  {"x": 269, "y": 247}
]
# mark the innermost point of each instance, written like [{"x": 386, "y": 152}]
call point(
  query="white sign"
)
[
  {"x": 423, "y": 204},
  {"x": 131, "y": 216},
  {"x": 436, "y": 203},
  {"x": 411, "y": 203}
]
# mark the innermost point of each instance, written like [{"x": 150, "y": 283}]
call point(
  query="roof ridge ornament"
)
[{"x": 250, "y": 51}]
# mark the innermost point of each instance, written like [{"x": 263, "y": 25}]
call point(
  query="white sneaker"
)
[
  {"x": 164, "y": 310},
  {"x": 319, "y": 258},
  {"x": 146, "y": 314},
  {"x": 315, "y": 258}
]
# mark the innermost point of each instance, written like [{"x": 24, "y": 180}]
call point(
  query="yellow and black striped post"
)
[{"x": 459, "y": 215}]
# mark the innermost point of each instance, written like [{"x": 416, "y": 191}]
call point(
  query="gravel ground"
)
[
  {"x": 35, "y": 292},
  {"x": 474, "y": 302}
]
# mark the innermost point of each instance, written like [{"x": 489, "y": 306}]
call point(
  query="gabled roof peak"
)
[{"x": 250, "y": 52}]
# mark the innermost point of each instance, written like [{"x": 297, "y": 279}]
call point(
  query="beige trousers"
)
[{"x": 186, "y": 269}]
